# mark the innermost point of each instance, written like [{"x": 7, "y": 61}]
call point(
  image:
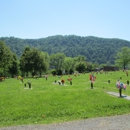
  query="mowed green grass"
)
[{"x": 47, "y": 102}]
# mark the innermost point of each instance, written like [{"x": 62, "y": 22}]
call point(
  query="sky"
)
[{"x": 33, "y": 19}]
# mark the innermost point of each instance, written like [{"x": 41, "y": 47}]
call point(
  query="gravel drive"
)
[{"x": 121, "y": 122}]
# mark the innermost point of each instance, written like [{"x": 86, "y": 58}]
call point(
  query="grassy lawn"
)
[{"x": 47, "y": 102}]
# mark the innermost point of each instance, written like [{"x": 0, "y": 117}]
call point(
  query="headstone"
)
[
  {"x": 59, "y": 83},
  {"x": 70, "y": 82},
  {"x": 127, "y": 82},
  {"x": 91, "y": 85},
  {"x": 29, "y": 85}
]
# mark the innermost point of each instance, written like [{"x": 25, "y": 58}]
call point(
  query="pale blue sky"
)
[{"x": 42, "y": 18}]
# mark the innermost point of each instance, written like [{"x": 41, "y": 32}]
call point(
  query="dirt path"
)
[{"x": 121, "y": 122}]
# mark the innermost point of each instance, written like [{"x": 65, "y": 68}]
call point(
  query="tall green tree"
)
[
  {"x": 57, "y": 61},
  {"x": 69, "y": 64},
  {"x": 6, "y": 57},
  {"x": 14, "y": 68},
  {"x": 80, "y": 63},
  {"x": 81, "y": 66},
  {"x": 123, "y": 57},
  {"x": 40, "y": 61},
  {"x": 33, "y": 61},
  {"x": 25, "y": 61},
  {"x": 89, "y": 66}
]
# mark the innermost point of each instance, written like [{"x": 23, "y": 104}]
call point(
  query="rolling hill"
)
[{"x": 96, "y": 50}]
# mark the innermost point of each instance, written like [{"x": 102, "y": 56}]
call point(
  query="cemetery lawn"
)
[{"x": 47, "y": 102}]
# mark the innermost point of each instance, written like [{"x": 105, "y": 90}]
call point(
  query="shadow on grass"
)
[{"x": 122, "y": 96}]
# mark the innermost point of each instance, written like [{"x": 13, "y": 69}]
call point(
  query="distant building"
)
[
  {"x": 98, "y": 69},
  {"x": 110, "y": 68}
]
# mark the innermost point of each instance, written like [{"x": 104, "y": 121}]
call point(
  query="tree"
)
[
  {"x": 80, "y": 58},
  {"x": 101, "y": 50},
  {"x": 25, "y": 61},
  {"x": 123, "y": 57},
  {"x": 33, "y": 61},
  {"x": 89, "y": 66},
  {"x": 57, "y": 61},
  {"x": 69, "y": 64},
  {"x": 80, "y": 63},
  {"x": 81, "y": 66},
  {"x": 42, "y": 63},
  {"x": 14, "y": 69},
  {"x": 6, "y": 57}
]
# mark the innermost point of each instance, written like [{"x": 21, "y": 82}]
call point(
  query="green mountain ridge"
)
[{"x": 96, "y": 50}]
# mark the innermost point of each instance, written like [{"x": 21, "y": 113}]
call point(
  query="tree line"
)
[
  {"x": 96, "y": 50},
  {"x": 36, "y": 62}
]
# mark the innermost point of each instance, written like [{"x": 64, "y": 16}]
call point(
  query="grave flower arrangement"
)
[
  {"x": 69, "y": 79},
  {"x": 120, "y": 85}
]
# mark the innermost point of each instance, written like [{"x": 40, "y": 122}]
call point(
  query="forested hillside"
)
[{"x": 96, "y": 50}]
